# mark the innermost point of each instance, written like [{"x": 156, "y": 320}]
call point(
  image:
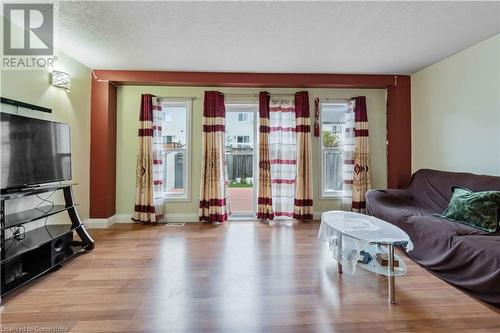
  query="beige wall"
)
[
  {"x": 33, "y": 86},
  {"x": 456, "y": 112},
  {"x": 127, "y": 142}
]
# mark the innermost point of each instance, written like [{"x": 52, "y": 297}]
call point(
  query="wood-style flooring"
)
[{"x": 239, "y": 277}]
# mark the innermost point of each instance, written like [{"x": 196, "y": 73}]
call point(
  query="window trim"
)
[
  {"x": 333, "y": 195},
  {"x": 188, "y": 102}
]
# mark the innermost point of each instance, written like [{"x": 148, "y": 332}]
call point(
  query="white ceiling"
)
[{"x": 302, "y": 37}]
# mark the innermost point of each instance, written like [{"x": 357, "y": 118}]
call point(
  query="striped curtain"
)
[
  {"x": 149, "y": 170},
  {"x": 264, "y": 200},
  {"x": 283, "y": 154},
  {"x": 213, "y": 189},
  {"x": 349, "y": 144},
  {"x": 357, "y": 178},
  {"x": 303, "y": 209}
]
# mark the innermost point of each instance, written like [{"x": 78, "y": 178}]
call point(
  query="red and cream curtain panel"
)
[
  {"x": 264, "y": 196},
  {"x": 213, "y": 191},
  {"x": 285, "y": 186},
  {"x": 283, "y": 155},
  {"x": 149, "y": 170},
  {"x": 303, "y": 209},
  {"x": 357, "y": 178},
  {"x": 349, "y": 144}
]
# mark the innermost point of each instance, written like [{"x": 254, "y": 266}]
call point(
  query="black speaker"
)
[{"x": 61, "y": 247}]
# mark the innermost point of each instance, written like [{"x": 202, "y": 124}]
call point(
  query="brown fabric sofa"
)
[{"x": 461, "y": 255}]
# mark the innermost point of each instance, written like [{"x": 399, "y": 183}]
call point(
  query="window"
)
[
  {"x": 243, "y": 139},
  {"x": 332, "y": 129},
  {"x": 244, "y": 117},
  {"x": 175, "y": 134},
  {"x": 167, "y": 115}
]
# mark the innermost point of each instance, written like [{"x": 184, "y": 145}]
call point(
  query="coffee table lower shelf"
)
[
  {"x": 375, "y": 267},
  {"x": 390, "y": 271}
]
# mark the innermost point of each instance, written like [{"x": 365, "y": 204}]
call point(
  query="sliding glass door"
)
[{"x": 241, "y": 156}]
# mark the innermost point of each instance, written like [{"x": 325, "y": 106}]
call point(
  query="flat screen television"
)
[{"x": 33, "y": 151}]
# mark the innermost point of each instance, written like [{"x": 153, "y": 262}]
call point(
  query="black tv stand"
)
[
  {"x": 30, "y": 188},
  {"x": 27, "y": 255}
]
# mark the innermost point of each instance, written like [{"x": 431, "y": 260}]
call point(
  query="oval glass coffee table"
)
[{"x": 348, "y": 233}]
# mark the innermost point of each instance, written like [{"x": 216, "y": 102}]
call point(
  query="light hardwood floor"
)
[{"x": 239, "y": 277}]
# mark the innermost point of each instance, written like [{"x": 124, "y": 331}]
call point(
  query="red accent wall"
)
[
  {"x": 103, "y": 150},
  {"x": 399, "y": 133},
  {"x": 103, "y": 116}
]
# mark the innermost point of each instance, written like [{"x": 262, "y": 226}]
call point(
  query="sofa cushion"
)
[
  {"x": 432, "y": 236},
  {"x": 457, "y": 253},
  {"x": 479, "y": 266},
  {"x": 477, "y": 209}
]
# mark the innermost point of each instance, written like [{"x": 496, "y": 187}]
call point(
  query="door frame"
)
[{"x": 253, "y": 103}]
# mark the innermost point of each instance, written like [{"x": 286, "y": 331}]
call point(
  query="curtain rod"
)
[
  {"x": 180, "y": 97},
  {"x": 241, "y": 95},
  {"x": 194, "y": 98},
  {"x": 282, "y": 95},
  {"x": 257, "y": 95},
  {"x": 335, "y": 99}
]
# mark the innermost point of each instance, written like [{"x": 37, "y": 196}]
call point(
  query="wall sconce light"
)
[{"x": 61, "y": 80}]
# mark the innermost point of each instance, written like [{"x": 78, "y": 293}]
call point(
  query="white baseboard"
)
[
  {"x": 174, "y": 218},
  {"x": 127, "y": 218},
  {"x": 182, "y": 217},
  {"x": 122, "y": 218},
  {"x": 99, "y": 223}
]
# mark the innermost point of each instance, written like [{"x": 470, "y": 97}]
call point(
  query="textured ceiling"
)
[{"x": 303, "y": 37}]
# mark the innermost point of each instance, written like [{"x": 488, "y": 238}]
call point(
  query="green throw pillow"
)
[{"x": 477, "y": 209}]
